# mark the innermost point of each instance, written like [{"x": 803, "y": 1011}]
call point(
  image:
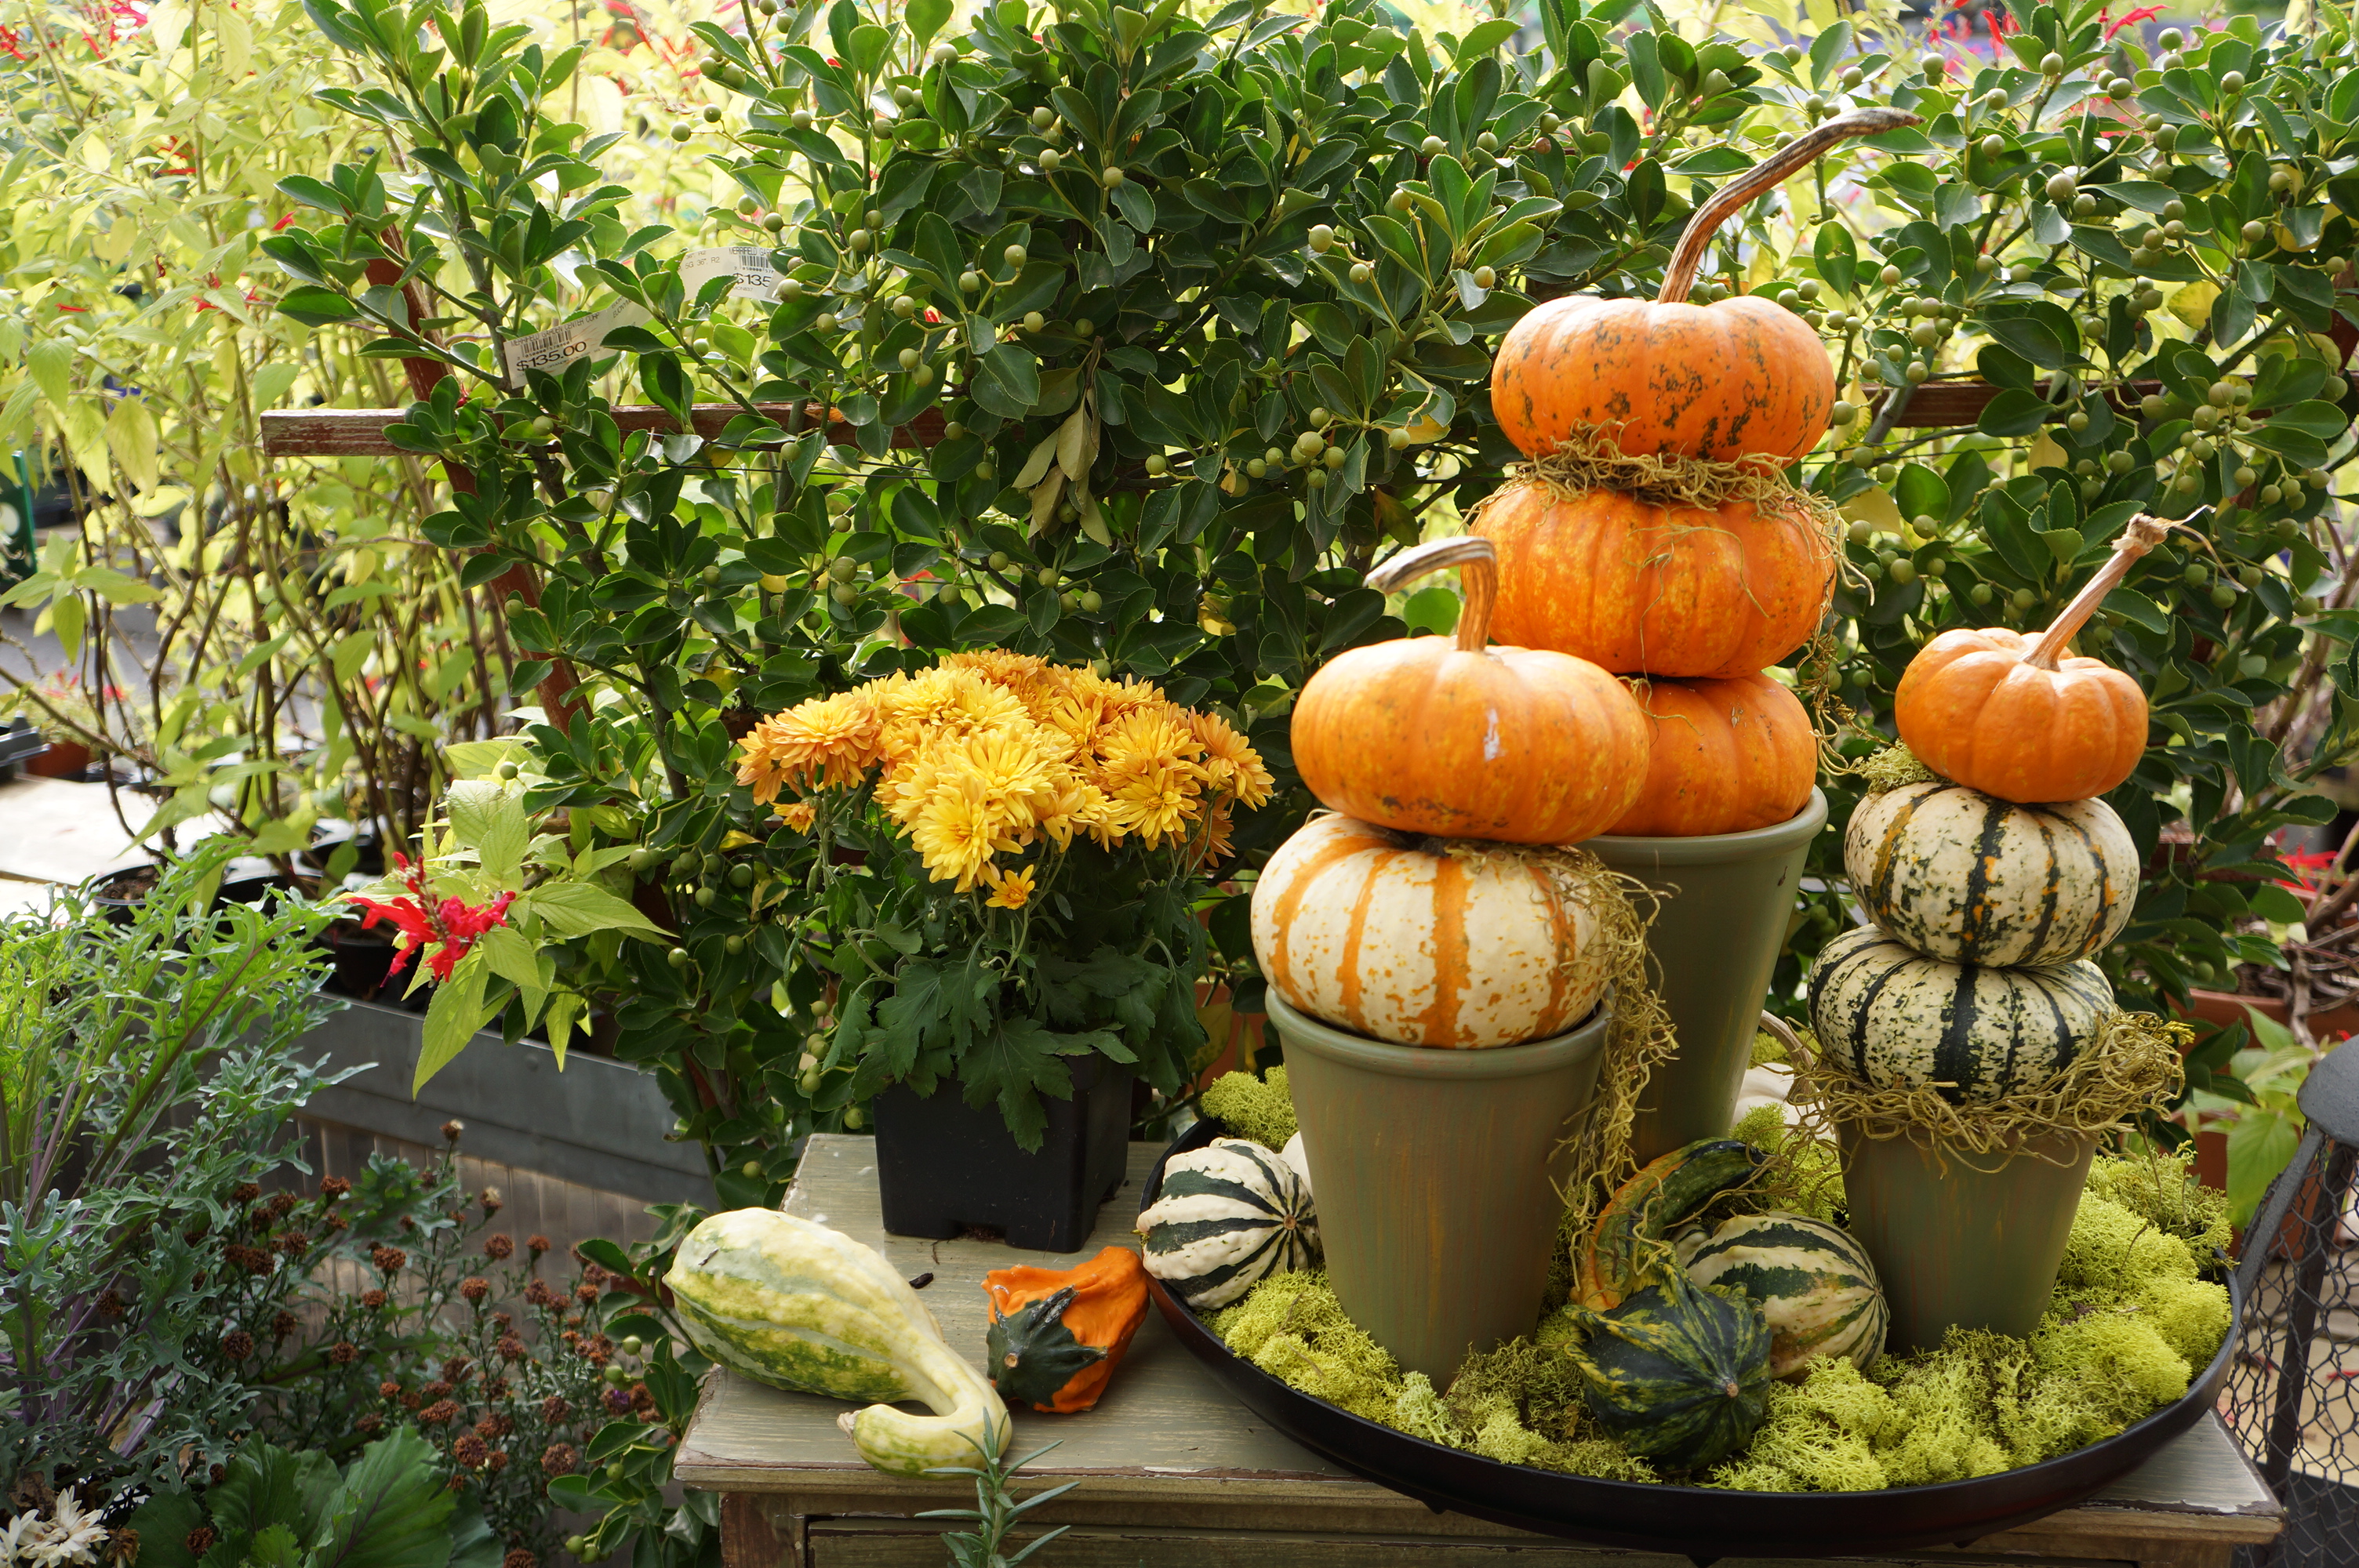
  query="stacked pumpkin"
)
[
  {"x": 1369, "y": 920},
  {"x": 1653, "y": 536},
  {"x": 1991, "y": 886}
]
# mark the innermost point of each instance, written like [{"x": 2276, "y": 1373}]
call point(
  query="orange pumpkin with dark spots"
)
[
  {"x": 1745, "y": 378},
  {"x": 1057, "y": 1334},
  {"x": 1463, "y": 740},
  {"x": 1729, "y": 756},
  {"x": 1664, "y": 590}
]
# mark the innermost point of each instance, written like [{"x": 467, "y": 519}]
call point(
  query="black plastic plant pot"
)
[
  {"x": 1700, "y": 1522},
  {"x": 943, "y": 1166},
  {"x": 363, "y": 958},
  {"x": 119, "y": 894}
]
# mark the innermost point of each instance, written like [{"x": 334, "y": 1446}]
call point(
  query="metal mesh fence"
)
[{"x": 2292, "y": 1400}]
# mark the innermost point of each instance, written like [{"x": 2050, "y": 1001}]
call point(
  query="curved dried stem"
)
[
  {"x": 1478, "y": 574},
  {"x": 2143, "y": 534},
  {"x": 1687, "y": 258}
]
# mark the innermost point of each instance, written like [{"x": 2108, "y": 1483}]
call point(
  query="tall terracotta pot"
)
[
  {"x": 1971, "y": 1239},
  {"x": 1435, "y": 1173},
  {"x": 1726, "y": 900}
]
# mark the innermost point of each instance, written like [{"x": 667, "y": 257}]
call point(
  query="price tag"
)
[
  {"x": 560, "y": 346},
  {"x": 757, "y": 276}
]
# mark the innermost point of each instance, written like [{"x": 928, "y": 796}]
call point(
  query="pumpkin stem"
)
[
  {"x": 2143, "y": 534},
  {"x": 1478, "y": 575},
  {"x": 1687, "y": 257}
]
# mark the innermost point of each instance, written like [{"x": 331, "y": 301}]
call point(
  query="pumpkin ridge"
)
[
  {"x": 1866, "y": 1003},
  {"x": 2052, "y": 895},
  {"x": 1205, "y": 1184},
  {"x": 1887, "y": 853},
  {"x": 1450, "y": 949},
  {"x": 1977, "y": 912},
  {"x": 1953, "y": 1055},
  {"x": 1356, "y": 931}
]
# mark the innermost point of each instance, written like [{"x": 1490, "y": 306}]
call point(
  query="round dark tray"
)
[{"x": 1701, "y": 1522}]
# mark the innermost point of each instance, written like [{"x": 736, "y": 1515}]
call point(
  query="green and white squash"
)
[
  {"x": 1679, "y": 1373},
  {"x": 1962, "y": 875},
  {"x": 1813, "y": 1281},
  {"x": 1228, "y": 1216},
  {"x": 1896, "y": 1019},
  {"x": 799, "y": 1306}
]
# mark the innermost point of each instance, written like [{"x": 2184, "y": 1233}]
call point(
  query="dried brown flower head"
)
[
  {"x": 389, "y": 1389},
  {"x": 281, "y": 1204},
  {"x": 498, "y": 1462},
  {"x": 343, "y": 1353},
  {"x": 561, "y": 1459},
  {"x": 495, "y": 1389},
  {"x": 453, "y": 1128},
  {"x": 586, "y": 1294},
  {"x": 284, "y": 1323},
  {"x": 538, "y": 1244},
  {"x": 434, "y": 1390},
  {"x": 334, "y": 1187},
  {"x": 470, "y": 1450},
  {"x": 370, "y": 1424},
  {"x": 200, "y": 1539},
  {"x": 457, "y": 1370},
  {"x": 498, "y": 1248},
  {"x": 373, "y": 1299},
  {"x": 492, "y": 1200},
  {"x": 237, "y": 1345},
  {"x": 520, "y": 1558},
  {"x": 474, "y": 1289},
  {"x": 554, "y": 1409},
  {"x": 109, "y": 1306},
  {"x": 510, "y": 1348},
  {"x": 245, "y": 1191},
  {"x": 389, "y": 1260},
  {"x": 438, "y": 1413}
]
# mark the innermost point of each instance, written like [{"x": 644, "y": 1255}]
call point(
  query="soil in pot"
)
[
  {"x": 119, "y": 894},
  {"x": 944, "y": 1167}
]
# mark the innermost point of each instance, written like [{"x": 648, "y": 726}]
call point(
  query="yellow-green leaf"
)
[
  {"x": 131, "y": 436},
  {"x": 51, "y": 365}
]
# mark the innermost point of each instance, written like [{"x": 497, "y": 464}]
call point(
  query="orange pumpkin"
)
[
  {"x": 1742, "y": 378},
  {"x": 1730, "y": 756},
  {"x": 1461, "y": 740},
  {"x": 1056, "y": 1335},
  {"x": 1664, "y": 590},
  {"x": 2006, "y": 714}
]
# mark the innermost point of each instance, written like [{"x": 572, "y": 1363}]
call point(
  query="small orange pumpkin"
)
[
  {"x": 1742, "y": 378},
  {"x": 2005, "y": 714},
  {"x": 1664, "y": 590},
  {"x": 1730, "y": 756},
  {"x": 1056, "y": 1335},
  {"x": 1461, "y": 740}
]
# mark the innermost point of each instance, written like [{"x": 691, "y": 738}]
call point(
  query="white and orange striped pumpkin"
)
[{"x": 1390, "y": 935}]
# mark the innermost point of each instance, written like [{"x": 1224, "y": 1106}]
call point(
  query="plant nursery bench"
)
[{"x": 1174, "y": 1473}]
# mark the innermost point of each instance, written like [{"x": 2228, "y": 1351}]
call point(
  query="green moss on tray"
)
[
  {"x": 1258, "y": 1108},
  {"x": 2130, "y": 1324}
]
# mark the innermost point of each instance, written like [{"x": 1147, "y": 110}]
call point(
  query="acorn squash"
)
[
  {"x": 1678, "y": 1372},
  {"x": 799, "y": 1306}
]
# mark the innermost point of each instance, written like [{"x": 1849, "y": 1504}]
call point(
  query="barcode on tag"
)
[
  {"x": 560, "y": 346},
  {"x": 757, "y": 276}
]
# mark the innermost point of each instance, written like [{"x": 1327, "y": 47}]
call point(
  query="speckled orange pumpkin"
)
[
  {"x": 1664, "y": 590},
  {"x": 1729, "y": 756},
  {"x": 1742, "y": 378},
  {"x": 1464, "y": 741}
]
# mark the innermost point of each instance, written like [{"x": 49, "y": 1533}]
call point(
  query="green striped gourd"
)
[
  {"x": 1813, "y": 1281},
  {"x": 1896, "y": 1019},
  {"x": 1228, "y": 1216},
  {"x": 1965, "y": 876},
  {"x": 799, "y": 1306},
  {"x": 1679, "y": 1373}
]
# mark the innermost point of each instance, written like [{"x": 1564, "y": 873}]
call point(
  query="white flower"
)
[
  {"x": 14, "y": 1540},
  {"x": 77, "y": 1534}
]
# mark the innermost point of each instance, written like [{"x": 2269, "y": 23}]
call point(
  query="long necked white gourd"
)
[{"x": 799, "y": 1306}]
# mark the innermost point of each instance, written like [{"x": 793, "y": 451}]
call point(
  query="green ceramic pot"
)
[
  {"x": 1726, "y": 900},
  {"x": 1436, "y": 1173},
  {"x": 1972, "y": 1240}
]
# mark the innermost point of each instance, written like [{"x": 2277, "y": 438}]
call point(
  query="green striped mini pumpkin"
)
[
  {"x": 1228, "y": 1216},
  {"x": 1896, "y": 1019},
  {"x": 1813, "y": 1281},
  {"x": 1965, "y": 876}
]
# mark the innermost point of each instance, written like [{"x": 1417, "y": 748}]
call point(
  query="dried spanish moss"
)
[
  {"x": 2135, "y": 1065},
  {"x": 1894, "y": 767},
  {"x": 1638, "y": 1038}
]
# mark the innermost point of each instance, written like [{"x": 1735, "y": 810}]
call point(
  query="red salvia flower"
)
[{"x": 444, "y": 929}]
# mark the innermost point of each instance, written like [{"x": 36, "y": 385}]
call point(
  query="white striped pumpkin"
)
[
  {"x": 1896, "y": 1019},
  {"x": 1381, "y": 935},
  {"x": 1813, "y": 1281},
  {"x": 1965, "y": 876},
  {"x": 1228, "y": 1216}
]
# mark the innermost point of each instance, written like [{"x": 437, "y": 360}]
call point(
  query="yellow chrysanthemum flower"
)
[
  {"x": 954, "y": 833},
  {"x": 798, "y": 815},
  {"x": 1231, "y": 765},
  {"x": 1009, "y": 889}
]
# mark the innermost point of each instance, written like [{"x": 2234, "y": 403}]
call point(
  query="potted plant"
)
[
  {"x": 1017, "y": 940},
  {"x": 65, "y": 714}
]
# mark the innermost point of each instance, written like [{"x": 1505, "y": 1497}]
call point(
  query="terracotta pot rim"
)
[
  {"x": 1302, "y": 1031},
  {"x": 1714, "y": 848}
]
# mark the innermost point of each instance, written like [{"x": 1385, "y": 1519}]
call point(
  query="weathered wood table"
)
[{"x": 1174, "y": 1473}]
